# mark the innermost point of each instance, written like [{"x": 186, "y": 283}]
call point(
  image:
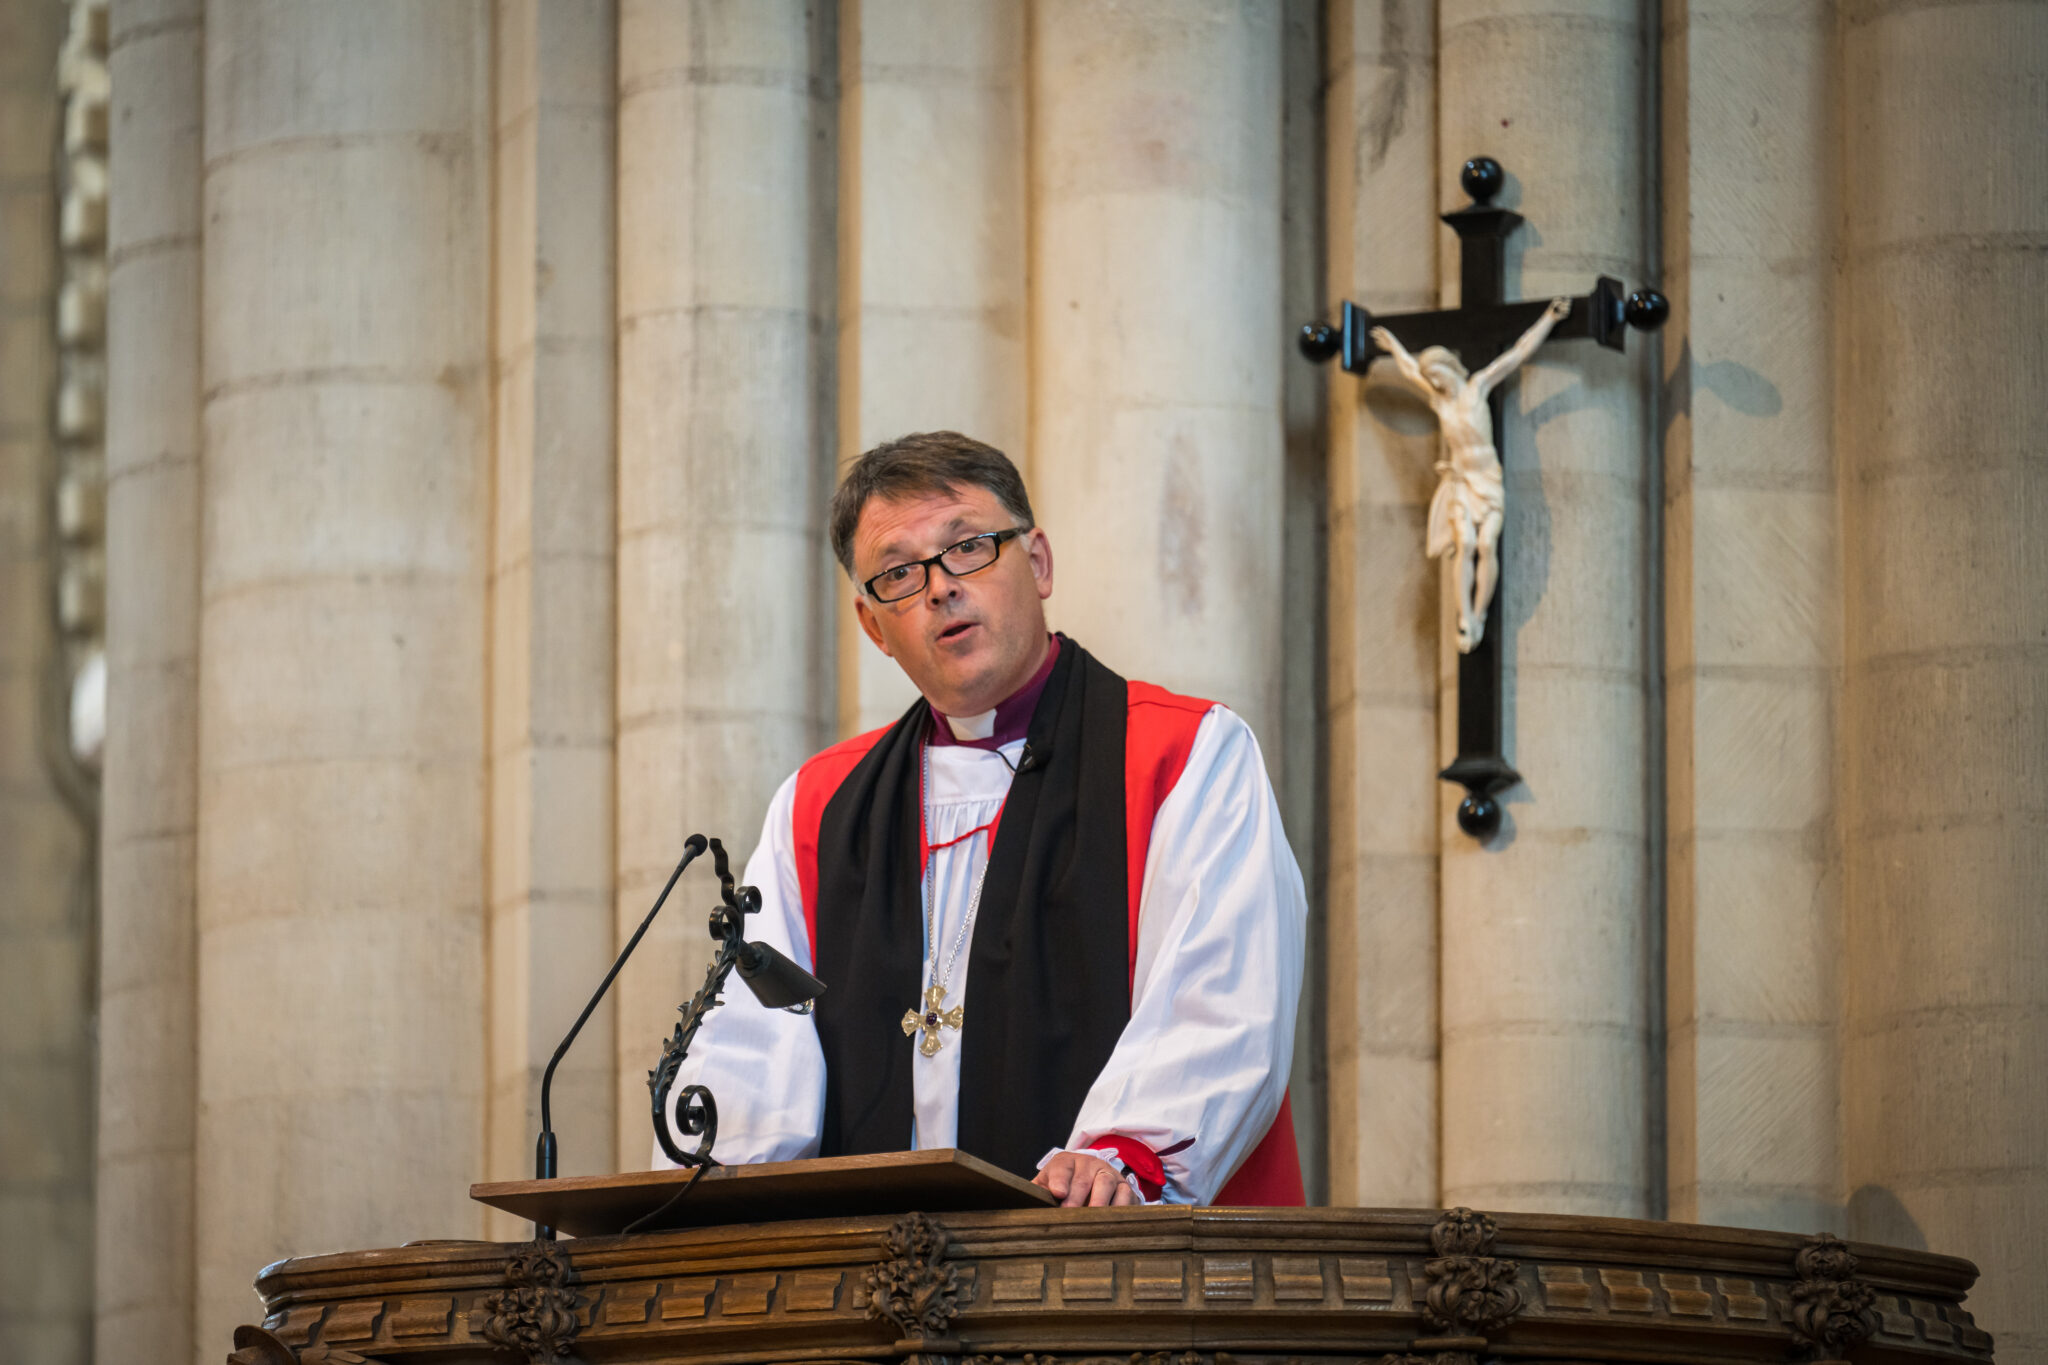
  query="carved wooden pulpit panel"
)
[{"x": 1145, "y": 1286}]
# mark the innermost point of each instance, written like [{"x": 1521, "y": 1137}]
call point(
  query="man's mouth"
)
[{"x": 955, "y": 631}]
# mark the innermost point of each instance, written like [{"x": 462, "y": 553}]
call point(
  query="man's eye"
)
[{"x": 901, "y": 573}]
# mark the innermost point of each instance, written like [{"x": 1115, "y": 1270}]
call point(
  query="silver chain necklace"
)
[{"x": 933, "y": 1016}]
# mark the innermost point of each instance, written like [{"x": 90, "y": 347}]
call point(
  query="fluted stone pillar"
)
[
  {"x": 1544, "y": 1011},
  {"x": 147, "y": 1002},
  {"x": 931, "y": 277},
  {"x": 45, "y": 905},
  {"x": 552, "y": 572},
  {"x": 342, "y": 730},
  {"x": 1752, "y": 622},
  {"x": 1382, "y": 964},
  {"x": 725, "y": 642},
  {"x": 1155, "y": 289},
  {"x": 1943, "y": 365}
]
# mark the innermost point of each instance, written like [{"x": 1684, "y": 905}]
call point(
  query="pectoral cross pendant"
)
[{"x": 931, "y": 1018}]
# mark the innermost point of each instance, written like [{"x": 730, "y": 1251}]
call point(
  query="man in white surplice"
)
[{"x": 950, "y": 576}]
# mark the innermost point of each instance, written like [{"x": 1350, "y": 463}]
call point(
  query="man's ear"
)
[
  {"x": 1041, "y": 562},
  {"x": 867, "y": 623}
]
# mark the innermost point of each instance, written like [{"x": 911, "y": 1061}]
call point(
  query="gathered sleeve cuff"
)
[{"x": 1140, "y": 1162}]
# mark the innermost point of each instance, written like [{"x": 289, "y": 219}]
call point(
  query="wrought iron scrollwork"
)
[
  {"x": 1832, "y": 1310},
  {"x": 696, "y": 1110}
]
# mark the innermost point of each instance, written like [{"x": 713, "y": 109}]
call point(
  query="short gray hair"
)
[{"x": 923, "y": 462}]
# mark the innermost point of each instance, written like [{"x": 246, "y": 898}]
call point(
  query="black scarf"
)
[{"x": 1050, "y": 957}]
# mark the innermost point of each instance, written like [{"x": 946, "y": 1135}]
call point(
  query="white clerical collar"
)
[{"x": 973, "y": 727}]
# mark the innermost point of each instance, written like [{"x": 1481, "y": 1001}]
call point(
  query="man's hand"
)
[{"x": 1079, "y": 1180}]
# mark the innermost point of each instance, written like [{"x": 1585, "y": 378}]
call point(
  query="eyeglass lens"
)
[{"x": 969, "y": 556}]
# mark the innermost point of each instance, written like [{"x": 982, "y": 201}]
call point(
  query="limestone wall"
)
[
  {"x": 932, "y": 219},
  {"x": 1941, "y": 366},
  {"x": 1546, "y": 1008},
  {"x": 148, "y": 955},
  {"x": 343, "y": 578},
  {"x": 553, "y": 617},
  {"x": 1753, "y": 616},
  {"x": 1155, "y": 294},
  {"x": 1758, "y": 945},
  {"x": 725, "y": 284},
  {"x": 1380, "y": 1028}
]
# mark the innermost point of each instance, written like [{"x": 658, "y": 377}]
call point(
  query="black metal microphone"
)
[{"x": 544, "y": 1146}]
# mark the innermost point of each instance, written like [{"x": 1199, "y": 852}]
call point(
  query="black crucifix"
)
[{"x": 1484, "y": 327}]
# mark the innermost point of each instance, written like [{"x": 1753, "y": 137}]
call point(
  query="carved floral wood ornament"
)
[
  {"x": 912, "y": 1289},
  {"x": 1470, "y": 1289},
  {"x": 535, "y": 1313},
  {"x": 1832, "y": 1310}
]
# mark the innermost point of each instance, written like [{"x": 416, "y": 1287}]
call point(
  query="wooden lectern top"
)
[{"x": 941, "y": 1180}]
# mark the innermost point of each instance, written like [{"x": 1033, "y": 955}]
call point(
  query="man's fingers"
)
[{"x": 1080, "y": 1181}]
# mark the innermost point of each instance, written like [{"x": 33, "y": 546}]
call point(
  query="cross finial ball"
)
[{"x": 1482, "y": 178}]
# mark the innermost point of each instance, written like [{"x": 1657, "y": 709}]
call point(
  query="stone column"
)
[
  {"x": 1942, "y": 367},
  {"x": 726, "y": 650},
  {"x": 1382, "y": 972},
  {"x": 45, "y": 903},
  {"x": 552, "y": 572},
  {"x": 341, "y": 758},
  {"x": 1752, "y": 621},
  {"x": 1545, "y": 1020},
  {"x": 931, "y": 283},
  {"x": 1156, "y": 437},
  {"x": 148, "y": 1009}
]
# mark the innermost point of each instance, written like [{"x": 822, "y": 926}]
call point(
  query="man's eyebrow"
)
[{"x": 949, "y": 537}]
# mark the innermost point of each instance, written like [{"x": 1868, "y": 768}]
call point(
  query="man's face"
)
[{"x": 967, "y": 643}]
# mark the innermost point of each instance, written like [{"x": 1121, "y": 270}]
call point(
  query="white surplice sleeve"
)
[
  {"x": 764, "y": 1067},
  {"x": 1200, "y": 1070}
]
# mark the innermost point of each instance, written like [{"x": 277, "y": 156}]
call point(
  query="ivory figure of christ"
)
[{"x": 1465, "y": 513}]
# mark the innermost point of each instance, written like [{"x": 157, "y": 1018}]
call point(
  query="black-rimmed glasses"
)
[{"x": 971, "y": 555}]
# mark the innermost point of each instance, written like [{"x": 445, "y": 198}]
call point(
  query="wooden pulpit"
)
[{"x": 929, "y": 1256}]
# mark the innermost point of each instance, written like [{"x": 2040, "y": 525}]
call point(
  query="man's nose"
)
[{"x": 939, "y": 584}]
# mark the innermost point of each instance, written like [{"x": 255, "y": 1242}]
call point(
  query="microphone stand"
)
[{"x": 544, "y": 1153}]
